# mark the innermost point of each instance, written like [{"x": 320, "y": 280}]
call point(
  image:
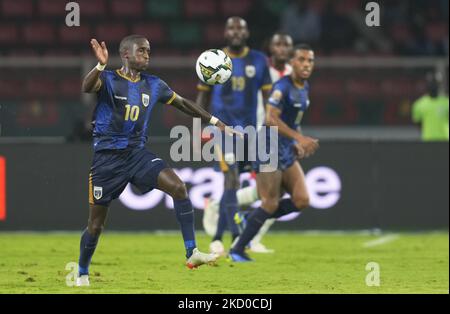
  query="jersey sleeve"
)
[
  {"x": 166, "y": 95},
  {"x": 277, "y": 96}
]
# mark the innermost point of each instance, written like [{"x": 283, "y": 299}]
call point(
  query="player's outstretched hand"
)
[
  {"x": 229, "y": 130},
  {"x": 100, "y": 51},
  {"x": 309, "y": 145},
  {"x": 299, "y": 151}
]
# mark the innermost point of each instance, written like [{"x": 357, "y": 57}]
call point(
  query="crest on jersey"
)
[
  {"x": 250, "y": 71},
  {"x": 98, "y": 192},
  {"x": 276, "y": 97},
  {"x": 145, "y": 100}
]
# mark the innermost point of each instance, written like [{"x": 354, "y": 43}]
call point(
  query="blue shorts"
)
[{"x": 112, "y": 170}]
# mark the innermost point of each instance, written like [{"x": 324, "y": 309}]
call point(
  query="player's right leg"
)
[
  {"x": 107, "y": 180},
  {"x": 89, "y": 241},
  {"x": 269, "y": 185}
]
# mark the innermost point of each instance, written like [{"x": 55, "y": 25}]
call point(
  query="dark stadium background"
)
[{"x": 362, "y": 91}]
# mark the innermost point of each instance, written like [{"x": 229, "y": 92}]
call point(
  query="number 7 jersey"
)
[{"x": 122, "y": 114}]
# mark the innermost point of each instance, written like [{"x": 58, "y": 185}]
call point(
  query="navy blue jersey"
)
[
  {"x": 291, "y": 99},
  {"x": 236, "y": 102},
  {"x": 122, "y": 114}
]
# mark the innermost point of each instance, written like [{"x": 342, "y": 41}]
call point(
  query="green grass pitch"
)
[{"x": 302, "y": 263}]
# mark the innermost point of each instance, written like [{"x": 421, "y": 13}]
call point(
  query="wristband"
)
[
  {"x": 213, "y": 120},
  {"x": 100, "y": 67}
]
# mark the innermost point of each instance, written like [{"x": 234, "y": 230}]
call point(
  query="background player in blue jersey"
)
[
  {"x": 126, "y": 98},
  {"x": 280, "y": 47},
  {"x": 236, "y": 104},
  {"x": 288, "y": 101}
]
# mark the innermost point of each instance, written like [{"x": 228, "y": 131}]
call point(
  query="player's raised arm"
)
[
  {"x": 306, "y": 145},
  {"x": 91, "y": 82},
  {"x": 194, "y": 110}
]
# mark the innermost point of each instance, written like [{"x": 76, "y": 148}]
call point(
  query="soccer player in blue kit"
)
[
  {"x": 288, "y": 102},
  {"x": 121, "y": 118},
  {"x": 236, "y": 104}
]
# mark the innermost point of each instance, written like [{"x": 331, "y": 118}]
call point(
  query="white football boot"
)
[
  {"x": 83, "y": 281},
  {"x": 198, "y": 258},
  {"x": 258, "y": 247}
]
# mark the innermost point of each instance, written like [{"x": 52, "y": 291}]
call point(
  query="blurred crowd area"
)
[
  {"x": 186, "y": 27},
  {"x": 47, "y": 101}
]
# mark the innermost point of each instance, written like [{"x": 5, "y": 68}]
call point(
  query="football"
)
[{"x": 214, "y": 67}]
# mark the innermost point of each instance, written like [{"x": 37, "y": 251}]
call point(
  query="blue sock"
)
[
  {"x": 254, "y": 223},
  {"x": 88, "y": 244},
  {"x": 185, "y": 217},
  {"x": 230, "y": 203},
  {"x": 285, "y": 207}
]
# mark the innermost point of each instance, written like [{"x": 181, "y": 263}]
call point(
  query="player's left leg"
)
[
  {"x": 171, "y": 184},
  {"x": 149, "y": 172}
]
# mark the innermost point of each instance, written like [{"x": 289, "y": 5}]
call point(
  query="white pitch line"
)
[{"x": 381, "y": 241}]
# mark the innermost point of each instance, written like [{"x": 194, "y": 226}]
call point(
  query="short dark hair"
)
[
  {"x": 284, "y": 34},
  {"x": 300, "y": 47},
  {"x": 303, "y": 47},
  {"x": 127, "y": 42}
]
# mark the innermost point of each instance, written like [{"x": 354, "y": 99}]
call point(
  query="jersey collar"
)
[
  {"x": 299, "y": 86},
  {"x": 244, "y": 53},
  {"x": 128, "y": 78}
]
